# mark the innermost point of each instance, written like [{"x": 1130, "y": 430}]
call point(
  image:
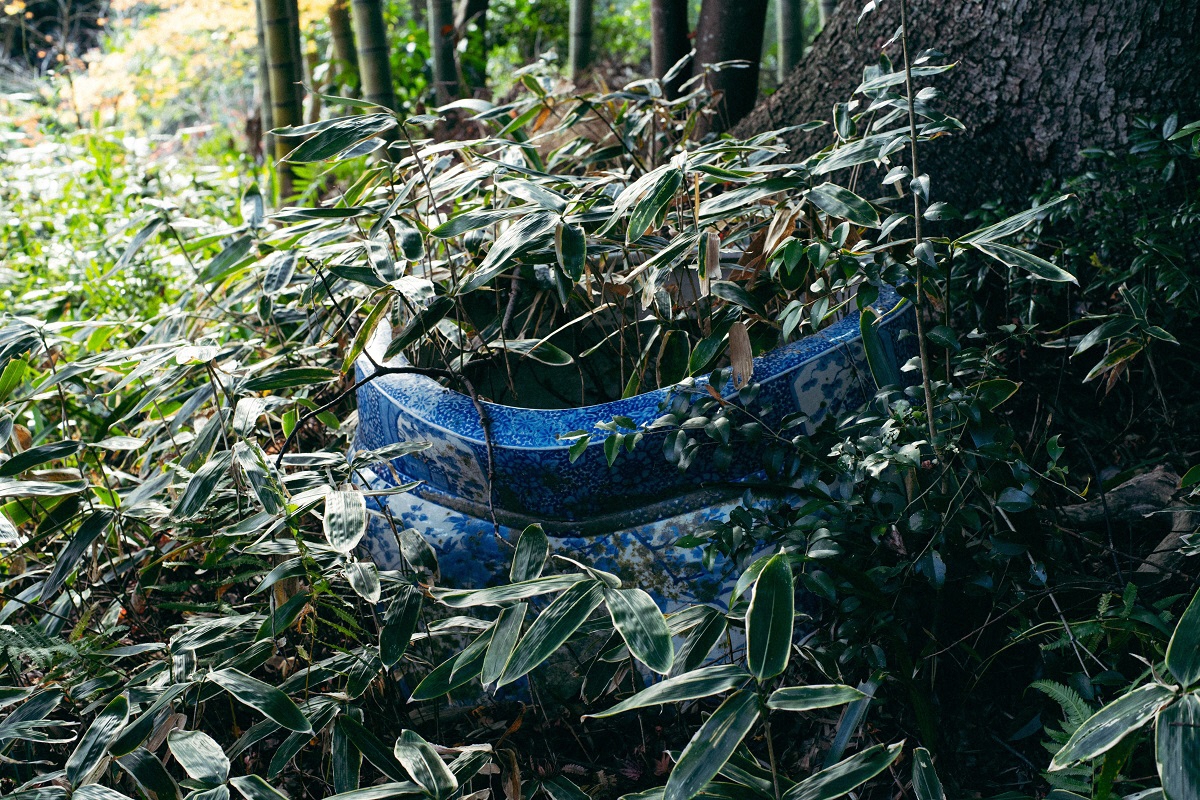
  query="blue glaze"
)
[{"x": 623, "y": 519}]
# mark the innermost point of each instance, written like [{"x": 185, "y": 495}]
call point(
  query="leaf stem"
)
[{"x": 919, "y": 272}]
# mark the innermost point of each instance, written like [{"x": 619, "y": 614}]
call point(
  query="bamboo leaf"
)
[
  {"x": 93, "y": 745},
  {"x": 504, "y": 641},
  {"x": 1183, "y": 653},
  {"x": 1177, "y": 747},
  {"x": 201, "y": 758},
  {"x": 712, "y": 745},
  {"x": 1100, "y": 732},
  {"x": 846, "y": 775},
  {"x": 808, "y": 698},
  {"x": 345, "y": 521},
  {"x": 703, "y": 682},
  {"x": 770, "y": 618},
  {"x": 530, "y": 557},
  {"x": 552, "y": 628},
  {"x": 425, "y": 765},
  {"x": 843, "y": 204},
  {"x": 92, "y": 527},
  {"x": 639, "y": 621},
  {"x": 925, "y": 780},
  {"x": 262, "y": 697}
]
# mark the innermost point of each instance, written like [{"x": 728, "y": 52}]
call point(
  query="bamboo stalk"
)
[
  {"x": 284, "y": 72},
  {"x": 789, "y": 26},
  {"x": 344, "y": 56},
  {"x": 580, "y": 49},
  {"x": 441, "y": 43},
  {"x": 374, "y": 69}
]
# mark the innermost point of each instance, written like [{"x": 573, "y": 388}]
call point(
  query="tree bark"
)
[
  {"x": 1036, "y": 82},
  {"x": 344, "y": 57},
  {"x": 789, "y": 26},
  {"x": 731, "y": 30},
  {"x": 669, "y": 40},
  {"x": 441, "y": 45},
  {"x": 284, "y": 71},
  {"x": 580, "y": 47},
  {"x": 374, "y": 68}
]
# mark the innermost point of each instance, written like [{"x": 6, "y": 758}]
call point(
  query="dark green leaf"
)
[
  {"x": 552, "y": 628},
  {"x": 530, "y": 232},
  {"x": 641, "y": 624},
  {"x": 808, "y": 698},
  {"x": 702, "y": 682},
  {"x": 345, "y": 521},
  {"x": 290, "y": 378},
  {"x": 769, "y": 619},
  {"x": 227, "y": 260},
  {"x": 504, "y": 641},
  {"x": 1183, "y": 653},
  {"x": 201, "y": 758},
  {"x": 372, "y": 748},
  {"x": 712, "y": 745},
  {"x": 1021, "y": 259},
  {"x": 420, "y": 324},
  {"x": 252, "y": 787},
  {"x": 650, "y": 207},
  {"x": 201, "y": 485},
  {"x": 341, "y": 135},
  {"x": 925, "y": 780},
  {"x": 262, "y": 697},
  {"x": 843, "y": 204},
  {"x": 1177, "y": 745},
  {"x": 93, "y": 745},
  {"x": 1100, "y": 732},
  {"x": 38, "y": 455},
  {"x": 399, "y": 624},
  {"x": 530, "y": 557},
  {"x": 847, "y": 775},
  {"x": 149, "y": 774},
  {"x": 92, "y": 527},
  {"x": 424, "y": 765}
]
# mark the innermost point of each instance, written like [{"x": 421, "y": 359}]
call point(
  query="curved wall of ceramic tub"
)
[{"x": 623, "y": 518}]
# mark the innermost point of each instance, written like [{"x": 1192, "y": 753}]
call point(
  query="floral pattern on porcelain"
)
[{"x": 624, "y": 519}]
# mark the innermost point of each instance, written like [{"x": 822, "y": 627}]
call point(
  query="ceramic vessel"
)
[{"x": 623, "y": 518}]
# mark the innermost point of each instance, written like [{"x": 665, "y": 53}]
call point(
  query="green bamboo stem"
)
[
  {"x": 374, "y": 69},
  {"x": 284, "y": 72}
]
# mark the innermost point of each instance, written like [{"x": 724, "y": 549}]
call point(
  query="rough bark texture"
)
[
  {"x": 669, "y": 39},
  {"x": 1038, "y": 80},
  {"x": 731, "y": 30}
]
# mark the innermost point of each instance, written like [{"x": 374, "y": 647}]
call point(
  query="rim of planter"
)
[
  {"x": 453, "y": 412},
  {"x": 522, "y": 433}
]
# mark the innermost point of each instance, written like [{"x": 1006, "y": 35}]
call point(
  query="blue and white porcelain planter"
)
[{"x": 624, "y": 518}]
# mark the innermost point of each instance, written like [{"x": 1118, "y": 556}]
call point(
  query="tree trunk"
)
[
  {"x": 669, "y": 40},
  {"x": 374, "y": 69},
  {"x": 580, "y": 46},
  {"x": 731, "y": 30},
  {"x": 1036, "y": 82},
  {"x": 789, "y": 25},
  {"x": 284, "y": 71},
  {"x": 312, "y": 111},
  {"x": 441, "y": 46},
  {"x": 344, "y": 57}
]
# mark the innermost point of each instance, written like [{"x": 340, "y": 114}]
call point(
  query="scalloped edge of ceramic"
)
[{"x": 624, "y": 519}]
